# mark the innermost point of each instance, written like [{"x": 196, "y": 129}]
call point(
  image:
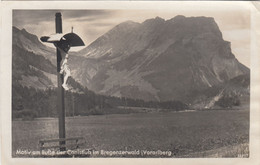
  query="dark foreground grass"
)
[{"x": 183, "y": 133}]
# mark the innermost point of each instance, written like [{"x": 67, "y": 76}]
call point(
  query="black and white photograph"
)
[{"x": 131, "y": 83}]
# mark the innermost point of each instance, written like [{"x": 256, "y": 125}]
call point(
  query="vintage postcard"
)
[{"x": 130, "y": 82}]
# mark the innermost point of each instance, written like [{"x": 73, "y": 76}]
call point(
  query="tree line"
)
[{"x": 28, "y": 102}]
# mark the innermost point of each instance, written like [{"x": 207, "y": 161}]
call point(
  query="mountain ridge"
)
[
  {"x": 157, "y": 60},
  {"x": 160, "y": 59}
]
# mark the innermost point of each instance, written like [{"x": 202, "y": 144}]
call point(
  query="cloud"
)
[
  {"x": 27, "y": 17},
  {"x": 21, "y": 17},
  {"x": 88, "y": 13}
]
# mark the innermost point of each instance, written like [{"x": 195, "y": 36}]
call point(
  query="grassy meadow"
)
[{"x": 216, "y": 133}]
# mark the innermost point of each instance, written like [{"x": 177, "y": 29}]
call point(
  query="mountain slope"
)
[
  {"x": 234, "y": 92},
  {"x": 34, "y": 64},
  {"x": 159, "y": 59},
  {"x": 30, "y": 43}
]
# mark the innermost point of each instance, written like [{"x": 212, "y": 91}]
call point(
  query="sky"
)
[{"x": 91, "y": 24}]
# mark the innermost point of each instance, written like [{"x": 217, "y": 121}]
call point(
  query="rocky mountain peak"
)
[
  {"x": 155, "y": 20},
  {"x": 178, "y": 18},
  {"x": 160, "y": 59},
  {"x": 124, "y": 26}
]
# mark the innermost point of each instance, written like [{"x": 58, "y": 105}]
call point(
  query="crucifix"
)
[{"x": 61, "y": 41}]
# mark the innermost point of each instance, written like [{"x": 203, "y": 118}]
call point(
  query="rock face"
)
[{"x": 158, "y": 59}]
